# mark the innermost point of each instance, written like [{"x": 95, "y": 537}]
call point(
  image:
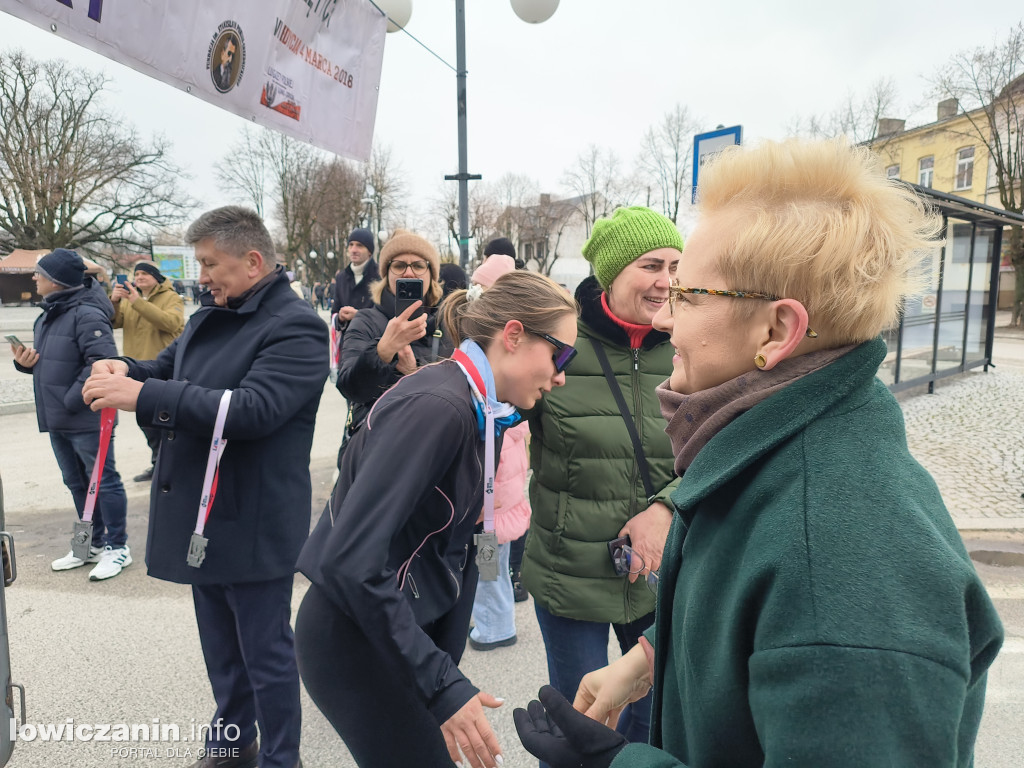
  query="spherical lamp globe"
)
[
  {"x": 534, "y": 11},
  {"x": 399, "y": 12}
]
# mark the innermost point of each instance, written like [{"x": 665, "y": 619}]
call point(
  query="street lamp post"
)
[
  {"x": 399, "y": 12},
  {"x": 463, "y": 176}
]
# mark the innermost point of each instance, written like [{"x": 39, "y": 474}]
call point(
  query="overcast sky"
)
[{"x": 598, "y": 72}]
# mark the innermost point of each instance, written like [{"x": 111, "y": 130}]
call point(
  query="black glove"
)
[{"x": 553, "y": 731}]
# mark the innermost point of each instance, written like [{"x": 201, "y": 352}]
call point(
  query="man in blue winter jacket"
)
[{"x": 73, "y": 332}]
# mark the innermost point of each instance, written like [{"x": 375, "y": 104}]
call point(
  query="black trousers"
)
[
  {"x": 153, "y": 441},
  {"x": 249, "y": 648},
  {"x": 515, "y": 555},
  {"x": 380, "y": 717}
]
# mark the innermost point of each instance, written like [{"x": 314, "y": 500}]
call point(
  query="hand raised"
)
[{"x": 469, "y": 732}]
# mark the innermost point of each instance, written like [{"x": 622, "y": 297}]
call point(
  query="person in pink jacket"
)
[{"x": 494, "y": 607}]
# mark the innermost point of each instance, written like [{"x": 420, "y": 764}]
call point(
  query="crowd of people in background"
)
[{"x": 692, "y": 453}]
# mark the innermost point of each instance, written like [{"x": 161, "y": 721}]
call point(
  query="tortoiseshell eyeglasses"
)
[{"x": 676, "y": 293}]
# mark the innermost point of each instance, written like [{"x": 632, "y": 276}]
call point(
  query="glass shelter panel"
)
[
  {"x": 919, "y": 315},
  {"x": 956, "y": 280},
  {"x": 887, "y": 370},
  {"x": 978, "y": 308}
]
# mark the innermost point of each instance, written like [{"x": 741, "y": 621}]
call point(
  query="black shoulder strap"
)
[{"x": 613, "y": 385}]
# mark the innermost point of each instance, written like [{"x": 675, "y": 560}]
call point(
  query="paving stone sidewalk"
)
[{"x": 970, "y": 436}]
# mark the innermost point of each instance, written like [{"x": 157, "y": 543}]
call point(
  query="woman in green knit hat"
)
[{"x": 591, "y": 482}]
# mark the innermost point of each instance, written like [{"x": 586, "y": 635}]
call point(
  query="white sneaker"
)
[
  {"x": 69, "y": 560},
  {"x": 112, "y": 562}
]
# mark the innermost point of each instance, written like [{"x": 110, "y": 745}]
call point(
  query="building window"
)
[
  {"x": 527, "y": 251},
  {"x": 965, "y": 168},
  {"x": 893, "y": 171},
  {"x": 925, "y": 170}
]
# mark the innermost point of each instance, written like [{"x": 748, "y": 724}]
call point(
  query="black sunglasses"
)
[{"x": 564, "y": 353}]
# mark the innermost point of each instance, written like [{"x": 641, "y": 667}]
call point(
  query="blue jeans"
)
[
  {"x": 494, "y": 610},
  {"x": 576, "y": 647},
  {"x": 76, "y": 453}
]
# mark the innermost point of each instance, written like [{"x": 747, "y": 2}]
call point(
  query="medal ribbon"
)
[
  {"x": 335, "y": 351},
  {"x": 217, "y": 446},
  {"x": 107, "y": 416},
  {"x": 480, "y": 391}
]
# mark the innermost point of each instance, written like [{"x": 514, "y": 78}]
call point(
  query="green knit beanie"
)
[{"x": 617, "y": 242}]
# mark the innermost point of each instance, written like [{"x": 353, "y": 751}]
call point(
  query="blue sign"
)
[{"x": 706, "y": 145}]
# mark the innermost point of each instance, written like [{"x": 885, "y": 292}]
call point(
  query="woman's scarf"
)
[
  {"x": 694, "y": 419},
  {"x": 505, "y": 414}
]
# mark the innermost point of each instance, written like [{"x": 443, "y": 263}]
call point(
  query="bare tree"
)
[
  {"x": 315, "y": 199},
  {"x": 667, "y": 157},
  {"x": 989, "y": 85},
  {"x": 72, "y": 174},
  {"x": 599, "y": 184},
  {"x": 245, "y": 170},
  {"x": 385, "y": 186},
  {"x": 484, "y": 213},
  {"x": 856, "y": 118},
  {"x": 551, "y": 219},
  {"x": 319, "y": 201},
  {"x": 513, "y": 192}
]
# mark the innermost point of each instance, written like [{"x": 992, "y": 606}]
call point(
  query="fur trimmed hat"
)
[
  {"x": 405, "y": 242},
  {"x": 631, "y": 232}
]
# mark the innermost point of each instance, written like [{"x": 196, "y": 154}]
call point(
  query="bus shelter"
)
[{"x": 949, "y": 328}]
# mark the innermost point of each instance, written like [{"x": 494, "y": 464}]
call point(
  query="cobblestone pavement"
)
[{"x": 970, "y": 436}]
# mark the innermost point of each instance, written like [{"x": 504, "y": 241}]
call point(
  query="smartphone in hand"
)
[
  {"x": 619, "y": 550},
  {"x": 15, "y": 341},
  {"x": 121, "y": 279},
  {"x": 407, "y": 292}
]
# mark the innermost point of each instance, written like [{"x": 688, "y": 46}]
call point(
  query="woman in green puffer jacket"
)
[{"x": 588, "y": 486}]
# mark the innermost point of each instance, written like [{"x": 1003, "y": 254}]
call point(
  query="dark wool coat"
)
[
  {"x": 817, "y": 605},
  {"x": 72, "y": 333},
  {"x": 348, "y": 294},
  {"x": 272, "y": 353}
]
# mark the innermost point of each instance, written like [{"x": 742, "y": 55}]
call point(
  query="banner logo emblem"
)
[{"x": 225, "y": 58}]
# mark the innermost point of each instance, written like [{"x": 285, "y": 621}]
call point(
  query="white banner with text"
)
[{"x": 308, "y": 68}]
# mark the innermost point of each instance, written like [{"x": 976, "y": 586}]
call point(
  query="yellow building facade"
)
[{"x": 947, "y": 155}]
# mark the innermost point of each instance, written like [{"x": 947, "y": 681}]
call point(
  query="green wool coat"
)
[
  {"x": 586, "y": 482},
  {"x": 817, "y": 605}
]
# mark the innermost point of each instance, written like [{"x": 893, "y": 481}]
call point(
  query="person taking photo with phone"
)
[
  {"x": 380, "y": 632},
  {"x": 385, "y": 342},
  {"x": 152, "y": 315}
]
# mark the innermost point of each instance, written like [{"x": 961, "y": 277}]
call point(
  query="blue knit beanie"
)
[
  {"x": 362, "y": 236},
  {"x": 62, "y": 267}
]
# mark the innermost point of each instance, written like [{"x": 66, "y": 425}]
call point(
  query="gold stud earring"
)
[{"x": 760, "y": 361}]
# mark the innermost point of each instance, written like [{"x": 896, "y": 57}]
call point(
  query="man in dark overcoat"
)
[{"x": 253, "y": 336}]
